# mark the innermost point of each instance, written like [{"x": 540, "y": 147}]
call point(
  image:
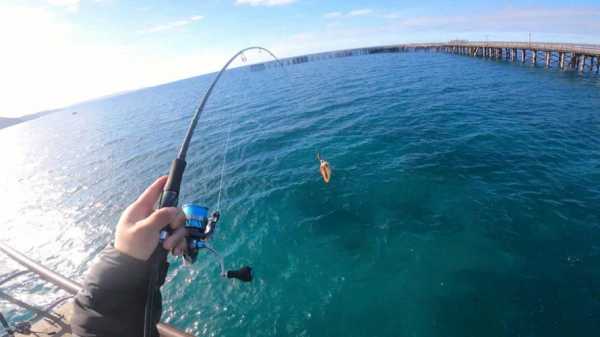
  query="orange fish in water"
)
[{"x": 325, "y": 169}]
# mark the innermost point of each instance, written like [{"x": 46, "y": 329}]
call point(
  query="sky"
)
[{"x": 58, "y": 52}]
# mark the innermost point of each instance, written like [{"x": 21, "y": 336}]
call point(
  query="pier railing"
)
[
  {"x": 578, "y": 48},
  {"x": 566, "y": 56},
  {"x": 68, "y": 285}
]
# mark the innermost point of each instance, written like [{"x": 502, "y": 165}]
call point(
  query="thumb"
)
[{"x": 159, "y": 218}]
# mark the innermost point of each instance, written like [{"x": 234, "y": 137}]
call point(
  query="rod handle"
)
[
  {"x": 173, "y": 182},
  {"x": 170, "y": 194}
]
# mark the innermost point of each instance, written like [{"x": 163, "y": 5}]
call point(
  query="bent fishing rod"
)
[{"x": 200, "y": 226}]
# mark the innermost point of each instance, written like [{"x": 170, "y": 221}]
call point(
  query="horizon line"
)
[{"x": 123, "y": 92}]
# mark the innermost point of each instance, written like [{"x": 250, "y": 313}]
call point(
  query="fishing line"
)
[
  {"x": 204, "y": 226},
  {"x": 226, "y": 148},
  {"x": 230, "y": 122},
  {"x": 224, "y": 161}
]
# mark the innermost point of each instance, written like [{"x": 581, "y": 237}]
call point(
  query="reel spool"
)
[{"x": 200, "y": 228}]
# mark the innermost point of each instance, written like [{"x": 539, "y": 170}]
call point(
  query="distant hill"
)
[{"x": 6, "y": 122}]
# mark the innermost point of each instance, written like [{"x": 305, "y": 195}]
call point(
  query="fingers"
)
[
  {"x": 145, "y": 202},
  {"x": 176, "y": 243},
  {"x": 175, "y": 239},
  {"x": 159, "y": 219},
  {"x": 180, "y": 249},
  {"x": 179, "y": 220}
]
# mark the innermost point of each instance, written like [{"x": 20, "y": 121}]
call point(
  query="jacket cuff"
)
[{"x": 118, "y": 271}]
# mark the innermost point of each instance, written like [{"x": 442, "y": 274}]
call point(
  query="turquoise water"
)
[{"x": 464, "y": 199}]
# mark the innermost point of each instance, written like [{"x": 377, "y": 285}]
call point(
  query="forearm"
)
[{"x": 113, "y": 297}]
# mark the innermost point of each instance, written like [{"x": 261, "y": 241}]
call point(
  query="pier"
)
[{"x": 564, "y": 56}]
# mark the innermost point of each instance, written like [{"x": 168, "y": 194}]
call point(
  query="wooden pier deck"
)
[
  {"x": 55, "y": 322},
  {"x": 564, "y": 56}
]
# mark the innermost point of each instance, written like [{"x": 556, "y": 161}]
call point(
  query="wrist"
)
[{"x": 126, "y": 252}]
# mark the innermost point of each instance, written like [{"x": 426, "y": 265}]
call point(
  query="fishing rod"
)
[{"x": 199, "y": 225}]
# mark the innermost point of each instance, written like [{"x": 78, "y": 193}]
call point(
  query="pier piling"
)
[
  {"x": 581, "y": 63},
  {"x": 573, "y": 63}
]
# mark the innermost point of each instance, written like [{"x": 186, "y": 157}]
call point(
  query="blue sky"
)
[{"x": 57, "y": 52}]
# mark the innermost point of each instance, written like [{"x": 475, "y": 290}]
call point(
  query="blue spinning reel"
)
[{"x": 200, "y": 228}]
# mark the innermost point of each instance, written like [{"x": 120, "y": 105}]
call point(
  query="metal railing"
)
[
  {"x": 578, "y": 48},
  {"x": 70, "y": 286}
]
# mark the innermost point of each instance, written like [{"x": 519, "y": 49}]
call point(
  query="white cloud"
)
[
  {"x": 70, "y": 5},
  {"x": 393, "y": 15},
  {"x": 264, "y": 2},
  {"x": 332, "y": 15},
  {"x": 360, "y": 12},
  {"x": 301, "y": 37},
  {"x": 171, "y": 25},
  {"x": 564, "y": 20},
  {"x": 352, "y": 13}
]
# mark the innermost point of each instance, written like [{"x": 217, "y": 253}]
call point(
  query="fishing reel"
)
[{"x": 200, "y": 228}]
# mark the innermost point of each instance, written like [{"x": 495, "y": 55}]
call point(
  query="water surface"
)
[{"x": 464, "y": 197}]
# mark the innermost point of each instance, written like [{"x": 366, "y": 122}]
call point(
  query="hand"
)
[{"x": 138, "y": 230}]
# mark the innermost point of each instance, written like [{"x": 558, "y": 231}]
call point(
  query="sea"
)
[{"x": 464, "y": 198}]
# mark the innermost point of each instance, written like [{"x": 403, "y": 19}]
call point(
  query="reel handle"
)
[{"x": 243, "y": 274}]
